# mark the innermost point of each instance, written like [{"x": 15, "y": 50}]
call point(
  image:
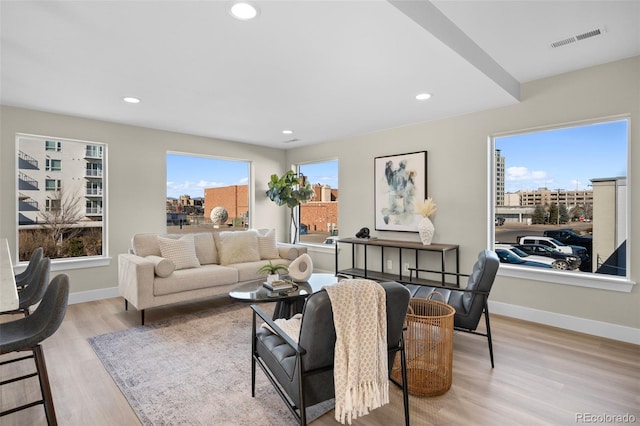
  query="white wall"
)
[
  {"x": 136, "y": 180},
  {"x": 457, "y": 172},
  {"x": 457, "y": 180}
]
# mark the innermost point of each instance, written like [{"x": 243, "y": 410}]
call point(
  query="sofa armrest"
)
[
  {"x": 135, "y": 280},
  {"x": 290, "y": 251}
]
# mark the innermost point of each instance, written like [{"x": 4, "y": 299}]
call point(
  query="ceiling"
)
[{"x": 325, "y": 69}]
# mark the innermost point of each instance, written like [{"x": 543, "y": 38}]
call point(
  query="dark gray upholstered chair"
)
[
  {"x": 24, "y": 277},
  {"x": 470, "y": 302},
  {"x": 34, "y": 290},
  {"x": 26, "y": 334},
  {"x": 302, "y": 373}
]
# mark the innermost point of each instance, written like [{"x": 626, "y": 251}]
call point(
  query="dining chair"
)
[{"x": 27, "y": 334}]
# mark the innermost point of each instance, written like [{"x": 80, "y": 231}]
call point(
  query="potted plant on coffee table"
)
[{"x": 273, "y": 271}]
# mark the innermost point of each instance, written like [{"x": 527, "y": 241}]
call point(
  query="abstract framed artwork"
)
[{"x": 400, "y": 181}]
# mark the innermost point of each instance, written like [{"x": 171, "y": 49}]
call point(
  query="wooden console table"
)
[{"x": 365, "y": 272}]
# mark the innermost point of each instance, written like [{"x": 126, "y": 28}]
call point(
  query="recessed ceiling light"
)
[
  {"x": 423, "y": 96},
  {"x": 287, "y": 132},
  {"x": 243, "y": 11},
  {"x": 131, "y": 100}
]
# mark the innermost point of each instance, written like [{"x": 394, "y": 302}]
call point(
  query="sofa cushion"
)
[
  {"x": 267, "y": 245},
  {"x": 162, "y": 267},
  {"x": 206, "y": 276},
  {"x": 182, "y": 252},
  {"x": 248, "y": 271},
  {"x": 237, "y": 246}
]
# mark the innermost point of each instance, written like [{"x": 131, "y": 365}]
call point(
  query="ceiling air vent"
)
[{"x": 579, "y": 37}]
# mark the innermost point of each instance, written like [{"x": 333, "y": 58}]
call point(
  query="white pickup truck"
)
[{"x": 549, "y": 242}]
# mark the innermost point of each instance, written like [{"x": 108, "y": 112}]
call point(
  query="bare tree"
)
[{"x": 65, "y": 211}]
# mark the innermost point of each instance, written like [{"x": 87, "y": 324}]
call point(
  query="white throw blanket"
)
[
  {"x": 290, "y": 326},
  {"x": 360, "y": 363}
]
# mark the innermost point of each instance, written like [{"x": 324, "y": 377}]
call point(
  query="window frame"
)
[
  {"x": 599, "y": 281},
  {"x": 250, "y": 182},
  {"x": 65, "y": 263}
]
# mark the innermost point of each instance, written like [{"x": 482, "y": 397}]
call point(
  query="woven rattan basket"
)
[{"x": 429, "y": 347}]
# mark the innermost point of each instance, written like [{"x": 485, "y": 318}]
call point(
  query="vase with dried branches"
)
[{"x": 426, "y": 229}]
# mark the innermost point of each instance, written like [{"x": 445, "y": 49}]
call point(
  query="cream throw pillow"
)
[
  {"x": 182, "y": 252},
  {"x": 162, "y": 267},
  {"x": 267, "y": 244},
  {"x": 237, "y": 247},
  {"x": 205, "y": 248}
]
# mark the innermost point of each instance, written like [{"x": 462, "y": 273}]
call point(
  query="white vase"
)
[
  {"x": 426, "y": 230},
  {"x": 272, "y": 277},
  {"x": 301, "y": 268}
]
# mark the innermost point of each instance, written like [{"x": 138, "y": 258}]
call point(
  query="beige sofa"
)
[{"x": 164, "y": 269}]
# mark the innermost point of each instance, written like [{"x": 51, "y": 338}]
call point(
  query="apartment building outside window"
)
[{"x": 61, "y": 209}]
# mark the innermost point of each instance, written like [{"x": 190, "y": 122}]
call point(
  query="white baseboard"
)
[
  {"x": 567, "y": 322},
  {"x": 92, "y": 295}
]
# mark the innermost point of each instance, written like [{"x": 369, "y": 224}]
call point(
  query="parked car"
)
[
  {"x": 553, "y": 263},
  {"x": 499, "y": 221},
  {"x": 331, "y": 240},
  {"x": 569, "y": 237},
  {"x": 568, "y": 261},
  {"x": 581, "y": 252},
  {"x": 507, "y": 256},
  {"x": 554, "y": 244}
]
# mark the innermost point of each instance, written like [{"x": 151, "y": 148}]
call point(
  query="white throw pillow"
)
[
  {"x": 162, "y": 267},
  {"x": 267, "y": 244},
  {"x": 237, "y": 247},
  {"x": 182, "y": 252}
]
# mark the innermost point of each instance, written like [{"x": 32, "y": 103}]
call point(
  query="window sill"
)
[
  {"x": 599, "y": 281},
  {"x": 72, "y": 263},
  {"x": 320, "y": 248}
]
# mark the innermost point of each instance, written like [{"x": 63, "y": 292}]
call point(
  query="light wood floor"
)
[{"x": 543, "y": 376}]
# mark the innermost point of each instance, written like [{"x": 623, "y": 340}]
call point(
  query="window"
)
[
  {"x": 196, "y": 185},
  {"x": 52, "y": 185},
  {"x": 53, "y": 165},
  {"x": 53, "y": 146},
  {"x": 564, "y": 188},
  {"x": 52, "y": 205},
  {"x": 60, "y": 214},
  {"x": 318, "y": 218}
]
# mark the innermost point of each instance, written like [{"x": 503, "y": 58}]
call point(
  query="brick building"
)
[
  {"x": 321, "y": 213},
  {"x": 234, "y": 198}
]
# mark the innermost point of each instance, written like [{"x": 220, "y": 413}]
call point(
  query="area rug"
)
[{"x": 194, "y": 370}]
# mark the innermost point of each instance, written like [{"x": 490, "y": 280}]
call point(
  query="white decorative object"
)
[
  {"x": 272, "y": 277},
  {"x": 301, "y": 268},
  {"x": 219, "y": 215},
  {"x": 426, "y": 230}
]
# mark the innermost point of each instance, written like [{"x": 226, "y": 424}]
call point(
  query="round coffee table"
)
[{"x": 290, "y": 301}]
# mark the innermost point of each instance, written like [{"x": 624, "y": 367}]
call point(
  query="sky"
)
[
  {"x": 565, "y": 158},
  {"x": 190, "y": 175}
]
